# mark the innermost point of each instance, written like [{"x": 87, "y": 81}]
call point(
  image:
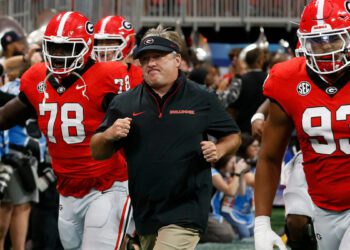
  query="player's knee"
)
[
  {"x": 98, "y": 213},
  {"x": 300, "y": 233},
  {"x": 69, "y": 236}
]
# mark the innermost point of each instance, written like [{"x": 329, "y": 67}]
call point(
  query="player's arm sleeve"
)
[
  {"x": 272, "y": 89},
  {"x": 220, "y": 122},
  {"x": 24, "y": 99},
  {"x": 15, "y": 112},
  {"x": 5, "y": 98}
]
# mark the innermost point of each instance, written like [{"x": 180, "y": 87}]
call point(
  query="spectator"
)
[
  {"x": 167, "y": 151},
  {"x": 13, "y": 44},
  {"x": 237, "y": 67},
  {"x": 21, "y": 191},
  {"x": 239, "y": 210},
  {"x": 15, "y": 56},
  {"x": 226, "y": 181},
  {"x": 251, "y": 96}
]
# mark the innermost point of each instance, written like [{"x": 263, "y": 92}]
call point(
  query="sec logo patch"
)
[{"x": 304, "y": 88}]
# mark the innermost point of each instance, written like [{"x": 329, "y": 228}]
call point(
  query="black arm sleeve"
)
[
  {"x": 25, "y": 100},
  {"x": 5, "y": 97}
]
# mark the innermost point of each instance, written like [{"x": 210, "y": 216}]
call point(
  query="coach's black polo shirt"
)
[{"x": 169, "y": 180}]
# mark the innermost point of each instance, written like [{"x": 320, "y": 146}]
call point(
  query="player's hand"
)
[
  {"x": 264, "y": 237},
  {"x": 120, "y": 129},
  {"x": 258, "y": 128},
  {"x": 210, "y": 151}
]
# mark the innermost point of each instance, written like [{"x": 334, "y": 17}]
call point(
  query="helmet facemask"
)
[
  {"x": 326, "y": 53},
  {"x": 63, "y": 56},
  {"x": 108, "y": 48}
]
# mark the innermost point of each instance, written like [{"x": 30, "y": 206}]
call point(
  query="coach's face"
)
[{"x": 160, "y": 69}]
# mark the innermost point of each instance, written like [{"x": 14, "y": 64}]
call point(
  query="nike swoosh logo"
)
[
  {"x": 137, "y": 113},
  {"x": 80, "y": 87}
]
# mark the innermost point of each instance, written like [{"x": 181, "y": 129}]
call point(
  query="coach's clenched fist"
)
[
  {"x": 119, "y": 129},
  {"x": 209, "y": 150}
]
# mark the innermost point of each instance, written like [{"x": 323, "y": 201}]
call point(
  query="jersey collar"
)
[
  {"x": 69, "y": 80},
  {"x": 323, "y": 85}
]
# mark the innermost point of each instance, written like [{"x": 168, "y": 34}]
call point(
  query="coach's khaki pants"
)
[{"x": 171, "y": 237}]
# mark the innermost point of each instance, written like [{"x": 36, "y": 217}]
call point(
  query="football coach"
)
[{"x": 163, "y": 124}]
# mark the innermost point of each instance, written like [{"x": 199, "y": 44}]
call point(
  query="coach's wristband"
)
[{"x": 257, "y": 116}]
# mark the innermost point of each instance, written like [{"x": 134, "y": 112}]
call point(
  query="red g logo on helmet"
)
[{"x": 113, "y": 28}]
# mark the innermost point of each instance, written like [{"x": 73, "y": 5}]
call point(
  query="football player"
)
[
  {"x": 298, "y": 204},
  {"x": 115, "y": 41},
  {"x": 69, "y": 94},
  {"x": 311, "y": 96}
]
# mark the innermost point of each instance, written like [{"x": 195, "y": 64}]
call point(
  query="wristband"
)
[
  {"x": 262, "y": 221},
  {"x": 257, "y": 116}
]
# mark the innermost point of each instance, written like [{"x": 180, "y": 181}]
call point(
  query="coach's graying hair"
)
[{"x": 167, "y": 34}]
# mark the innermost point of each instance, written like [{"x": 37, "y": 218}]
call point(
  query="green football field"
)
[{"x": 277, "y": 222}]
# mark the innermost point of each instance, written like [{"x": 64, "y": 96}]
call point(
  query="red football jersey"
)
[
  {"x": 135, "y": 75},
  {"x": 321, "y": 116},
  {"x": 68, "y": 117}
]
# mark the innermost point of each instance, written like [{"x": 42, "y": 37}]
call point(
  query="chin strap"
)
[{"x": 46, "y": 95}]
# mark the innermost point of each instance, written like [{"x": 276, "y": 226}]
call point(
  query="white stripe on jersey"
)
[
  {"x": 320, "y": 6},
  {"x": 63, "y": 22}
]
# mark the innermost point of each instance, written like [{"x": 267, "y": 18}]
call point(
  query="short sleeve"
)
[
  {"x": 109, "y": 74},
  {"x": 272, "y": 88},
  {"x": 220, "y": 122}
]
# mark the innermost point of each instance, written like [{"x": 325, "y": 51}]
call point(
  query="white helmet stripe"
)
[
  {"x": 104, "y": 23},
  {"x": 320, "y": 5},
  {"x": 63, "y": 22}
]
